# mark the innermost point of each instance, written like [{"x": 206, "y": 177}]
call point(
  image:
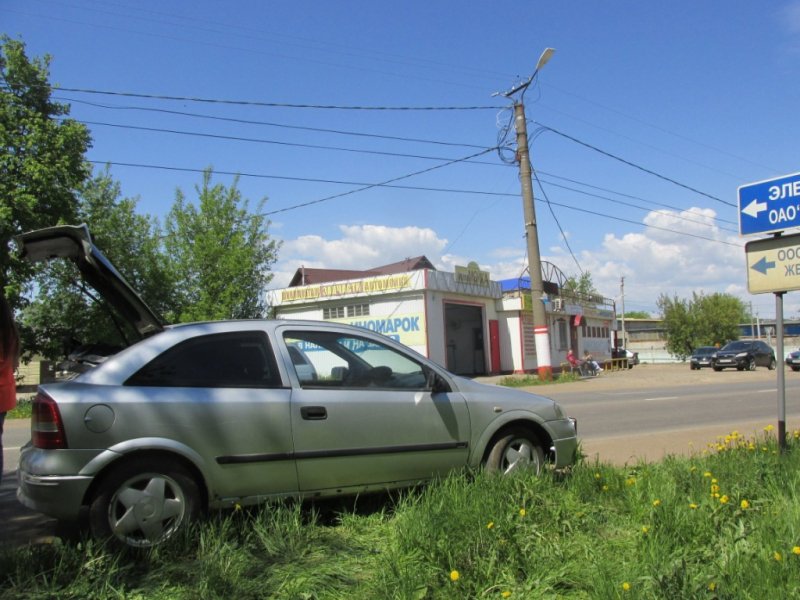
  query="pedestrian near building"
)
[{"x": 9, "y": 360}]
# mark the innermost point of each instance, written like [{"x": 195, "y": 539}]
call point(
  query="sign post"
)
[{"x": 773, "y": 264}]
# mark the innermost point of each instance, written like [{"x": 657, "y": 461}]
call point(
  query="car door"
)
[
  {"x": 369, "y": 418},
  {"x": 221, "y": 395}
]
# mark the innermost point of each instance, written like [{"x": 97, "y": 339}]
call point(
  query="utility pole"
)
[
  {"x": 622, "y": 295},
  {"x": 540, "y": 329}
]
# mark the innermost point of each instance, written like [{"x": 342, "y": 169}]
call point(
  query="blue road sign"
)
[{"x": 769, "y": 206}]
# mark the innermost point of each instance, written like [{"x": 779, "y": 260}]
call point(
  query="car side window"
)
[
  {"x": 226, "y": 360},
  {"x": 336, "y": 360}
]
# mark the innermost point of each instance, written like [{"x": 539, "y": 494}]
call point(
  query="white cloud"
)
[{"x": 359, "y": 247}]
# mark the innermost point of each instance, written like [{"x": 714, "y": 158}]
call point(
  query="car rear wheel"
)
[
  {"x": 516, "y": 451},
  {"x": 143, "y": 503},
  {"x": 718, "y": 368},
  {"x": 771, "y": 365},
  {"x": 795, "y": 368}
]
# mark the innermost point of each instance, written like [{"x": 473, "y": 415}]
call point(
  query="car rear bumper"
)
[
  {"x": 56, "y": 496},
  {"x": 60, "y": 496}
]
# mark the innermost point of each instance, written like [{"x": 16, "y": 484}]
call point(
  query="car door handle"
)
[{"x": 313, "y": 413}]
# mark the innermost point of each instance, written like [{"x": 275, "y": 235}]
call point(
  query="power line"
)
[
  {"x": 634, "y": 165},
  {"x": 558, "y": 223},
  {"x": 274, "y": 104},
  {"x": 273, "y": 124},
  {"x": 388, "y": 184},
  {"x": 264, "y": 141}
]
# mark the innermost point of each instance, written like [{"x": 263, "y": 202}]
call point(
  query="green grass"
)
[
  {"x": 724, "y": 524},
  {"x": 529, "y": 380},
  {"x": 22, "y": 410}
]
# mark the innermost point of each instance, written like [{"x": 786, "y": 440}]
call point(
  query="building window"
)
[
  {"x": 358, "y": 310},
  {"x": 334, "y": 312}
]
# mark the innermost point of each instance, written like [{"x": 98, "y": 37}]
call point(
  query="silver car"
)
[{"x": 220, "y": 414}]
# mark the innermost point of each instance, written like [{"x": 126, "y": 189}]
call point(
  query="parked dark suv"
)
[{"x": 743, "y": 355}]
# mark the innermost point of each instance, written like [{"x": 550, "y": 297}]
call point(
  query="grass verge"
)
[{"x": 724, "y": 523}]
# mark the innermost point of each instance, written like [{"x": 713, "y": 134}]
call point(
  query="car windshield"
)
[
  {"x": 705, "y": 351},
  {"x": 737, "y": 346}
]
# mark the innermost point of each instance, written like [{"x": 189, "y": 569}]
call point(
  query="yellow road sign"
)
[{"x": 773, "y": 264}]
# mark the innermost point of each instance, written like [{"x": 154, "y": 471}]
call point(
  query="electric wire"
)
[
  {"x": 558, "y": 223},
  {"x": 634, "y": 165},
  {"x": 276, "y": 104},
  {"x": 273, "y": 124}
]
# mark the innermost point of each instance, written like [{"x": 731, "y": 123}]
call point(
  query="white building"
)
[{"x": 462, "y": 320}]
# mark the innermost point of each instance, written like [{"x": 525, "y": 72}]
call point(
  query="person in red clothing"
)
[
  {"x": 575, "y": 363},
  {"x": 9, "y": 360}
]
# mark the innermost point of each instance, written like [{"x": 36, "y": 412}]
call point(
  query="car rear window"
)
[{"x": 225, "y": 360}]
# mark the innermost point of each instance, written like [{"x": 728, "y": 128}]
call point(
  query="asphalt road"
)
[{"x": 623, "y": 417}]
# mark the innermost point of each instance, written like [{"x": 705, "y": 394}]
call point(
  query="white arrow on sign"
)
[{"x": 754, "y": 208}]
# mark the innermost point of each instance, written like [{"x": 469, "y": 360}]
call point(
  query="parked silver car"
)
[{"x": 237, "y": 412}]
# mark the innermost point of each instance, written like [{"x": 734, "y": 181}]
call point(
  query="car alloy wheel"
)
[
  {"x": 516, "y": 451},
  {"x": 143, "y": 504}
]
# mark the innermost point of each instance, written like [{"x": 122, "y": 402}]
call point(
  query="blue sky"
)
[{"x": 700, "y": 94}]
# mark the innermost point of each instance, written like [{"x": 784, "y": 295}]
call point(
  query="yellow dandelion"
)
[
  {"x": 744, "y": 504},
  {"x": 714, "y": 480},
  {"x": 490, "y": 525},
  {"x": 707, "y": 474},
  {"x": 712, "y": 586},
  {"x": 626, "y": 586},
  {"x": 630, "y": 481},
  {"x": 714, "y": 488},
  {"x": 605, "y": 488},
  {"x": 522, "y": 512},
  {"x": 454, "y": 575},
  {"x": 777, "y": 556},
  {"x": 656, "y": 502},
  {"x": 692, "y": 505},
  {"x": 506, "y": 594},
  {"x": 769, "y": 428},
  {"x": 597, "y": 476},
  {"x": 724, "y": 499},
  {"x": 645, "y": 529},
  {"x": 237, "y": 507},
  {"x": 796, "y": 550}
]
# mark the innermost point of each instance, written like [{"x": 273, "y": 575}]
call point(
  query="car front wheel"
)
[
  {"x": 144, "y": 503},
  {"x": 516, "y": 451},
  {"x": 751, "y": 364}
]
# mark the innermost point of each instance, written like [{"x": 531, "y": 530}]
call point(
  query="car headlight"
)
[{"x": 741, "y": 355}]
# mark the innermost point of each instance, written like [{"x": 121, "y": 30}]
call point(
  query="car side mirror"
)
[{"x": 435, "y": 383}]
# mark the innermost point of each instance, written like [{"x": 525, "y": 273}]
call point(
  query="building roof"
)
[{"x": 305, "y": 276}]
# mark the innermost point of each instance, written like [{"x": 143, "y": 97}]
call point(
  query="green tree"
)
[
  {"x": 64, "y": 312},
  {"x": 637, "y": 314},
  {"x": 582, "y": 284},
  {"x": 701, "y": 321},
  {"x": 41, "y": 157},
  {"x": 221, "y": 254}
]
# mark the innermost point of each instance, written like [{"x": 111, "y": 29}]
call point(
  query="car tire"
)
[
  {"x": 718, "y": 368},
  {"x": 795, "y": 368},
  {"x": 771, "y": 366},
  {"x": 143, "y": 503},
  {"x": 751, "y": 364},
  {"x": 517, "y": 450}
]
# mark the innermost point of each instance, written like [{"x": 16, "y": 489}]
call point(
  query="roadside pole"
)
[
  {"x": 781, "y": 372},
  {"x": 540, "y": 330}
]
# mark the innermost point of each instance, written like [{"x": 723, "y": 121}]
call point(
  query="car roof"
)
[{"x": 74, "y": 243}]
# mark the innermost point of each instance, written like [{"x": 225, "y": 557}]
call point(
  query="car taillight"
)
[{"x": 47, "y": 429}]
